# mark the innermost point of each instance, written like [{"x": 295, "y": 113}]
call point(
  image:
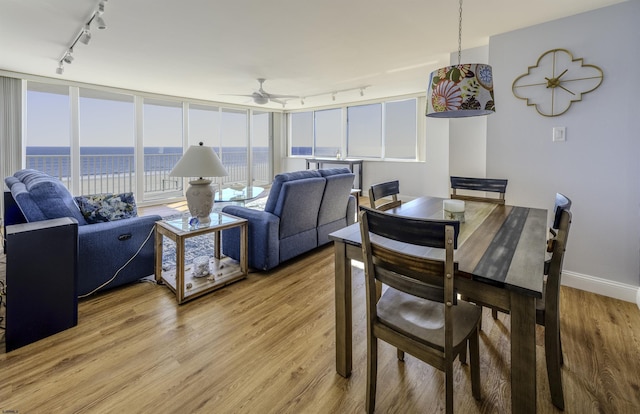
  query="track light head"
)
[
  {"x": 85, "y": 37},
  {"x": 100, "y": 22},
  {"x": 60, "y": 69},
  {"x": 68, "y": 57}
]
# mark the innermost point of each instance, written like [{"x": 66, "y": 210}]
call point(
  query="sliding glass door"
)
[
  {"x": 48, "y": 130},
  {"x": 261, "y": 171},
  {"x": 162, "y": 148},
  {"x": 234, "y": 141},
  {"x": 107, "y": 142}
]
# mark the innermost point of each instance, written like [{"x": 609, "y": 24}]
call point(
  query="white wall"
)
[
  {"x": 597, "y": 166},
  {"x": 468, "y": 136}
]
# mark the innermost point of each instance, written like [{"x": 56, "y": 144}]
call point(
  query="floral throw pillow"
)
[{"x": 97, "y": 208}]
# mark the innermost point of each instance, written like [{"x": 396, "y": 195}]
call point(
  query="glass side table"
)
[
  {"x": 210, "y": 270},
  {"x": 238, "y": 196}
]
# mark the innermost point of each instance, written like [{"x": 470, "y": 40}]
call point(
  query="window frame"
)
[
  {"x": 139, "y": 100},
  {"x": 420, "y": 128}
]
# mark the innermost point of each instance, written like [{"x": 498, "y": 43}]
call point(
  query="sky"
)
[{"x": 111, "y": 122}]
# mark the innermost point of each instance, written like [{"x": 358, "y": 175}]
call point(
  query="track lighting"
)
[
  {"x": 84, "y": 36},
  {"x": 333, "y": 93}
]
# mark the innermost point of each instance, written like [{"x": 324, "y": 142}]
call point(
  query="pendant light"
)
[{"x": 460, "y": 90}]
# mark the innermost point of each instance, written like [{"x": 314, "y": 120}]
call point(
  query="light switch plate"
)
[{"x": 559, "y": 134}]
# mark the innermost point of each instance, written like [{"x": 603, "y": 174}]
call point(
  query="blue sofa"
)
[
  {"x": 103, "y": 247},
  {"x": 303, "y": 207}
]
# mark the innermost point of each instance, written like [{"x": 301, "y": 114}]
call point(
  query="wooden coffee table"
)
[{"x": 184, "y": 280}]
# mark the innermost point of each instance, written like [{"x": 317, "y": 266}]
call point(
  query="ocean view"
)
[
  {"x": 113, "y": 169},
  {"x": 118, "y": 160}
]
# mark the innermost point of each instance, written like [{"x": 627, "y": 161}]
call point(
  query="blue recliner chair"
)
[
  {"x": 103, "y": 248},
  {"x": 302, "y": 209}
]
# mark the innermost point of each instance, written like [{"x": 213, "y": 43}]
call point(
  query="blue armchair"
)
[
  {"x": 302, "y": 209},
  {"x": 124, "y": 248}
]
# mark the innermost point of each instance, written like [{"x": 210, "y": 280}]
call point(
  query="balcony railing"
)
[{"x": 116, "y": 173}]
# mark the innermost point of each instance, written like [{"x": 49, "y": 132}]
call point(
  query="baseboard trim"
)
[{"x": 616, "y": 290}]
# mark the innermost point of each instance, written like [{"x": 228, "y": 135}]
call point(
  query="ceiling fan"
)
[{"x": 262, "y": 97}]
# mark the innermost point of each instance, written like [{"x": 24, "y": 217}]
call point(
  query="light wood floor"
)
[{"x": 266, "y": 345}]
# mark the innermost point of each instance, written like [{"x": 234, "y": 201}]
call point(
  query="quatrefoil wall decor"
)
[{"x": 556, "y": 81}]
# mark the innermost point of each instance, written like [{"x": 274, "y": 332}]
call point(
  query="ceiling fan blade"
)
[
  {"x": 262, "y": 97},
  {"x": 278, "y": 96},
  {"x": 278, "y": 101},
  {"x": 235, "y": 94}
]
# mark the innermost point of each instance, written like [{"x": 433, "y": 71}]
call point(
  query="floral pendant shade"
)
[{"x": 461, "y": 90}]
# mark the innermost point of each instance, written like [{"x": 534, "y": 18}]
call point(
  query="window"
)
[
  {"x": 234, "y": 142},
  {"x": 387, "y": 130},
  {"x": 162, "y": 147},
  {"x": 107, "y": 142},
  {"x": 204, "y": 126},
  {"x": 364, "y": 131},
  {"x": 301, "y": 133},
  {"x": 48, "y": 130},
  {"x": 88, "y": 138},
  {"x": 400, "y": 129},
  {"x": 260, "y": 149},
  {"x": 328, "y": 132}
]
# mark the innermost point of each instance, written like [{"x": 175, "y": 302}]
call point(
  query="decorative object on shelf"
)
[
  {"x": 460, "y": 90},
  {"x": 200, "y": 266},
  {"x": 199, "y": 161},
  {"x": 556, "y": 81},
  {"x": 453, "y": 210}
]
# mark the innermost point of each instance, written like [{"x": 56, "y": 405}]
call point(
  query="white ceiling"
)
[{"x": 206, "y": 49}]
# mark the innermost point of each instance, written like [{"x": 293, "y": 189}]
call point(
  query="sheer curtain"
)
[{"x": 10, "y": 129}]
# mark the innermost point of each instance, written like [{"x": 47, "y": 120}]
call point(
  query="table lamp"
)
[{"x": 199, "y": 161}]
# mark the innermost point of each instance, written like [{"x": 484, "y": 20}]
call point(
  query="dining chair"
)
[
  {"x": 548, "y": 308},
  {"x": 379, "y": 195},
  {"x": 410, "y": 315},
  {"x": 491, "y": 185}
]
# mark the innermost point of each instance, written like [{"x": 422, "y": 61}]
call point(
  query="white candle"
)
[{"x": 454, "y": 206}]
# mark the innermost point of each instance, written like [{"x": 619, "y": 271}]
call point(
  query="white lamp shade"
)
[
  {"x": 199, "y": 161},
  {"x": 460, "y": 91}
]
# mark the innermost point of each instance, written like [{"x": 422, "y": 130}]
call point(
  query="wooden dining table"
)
[{"x": 500, "y": 256}]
